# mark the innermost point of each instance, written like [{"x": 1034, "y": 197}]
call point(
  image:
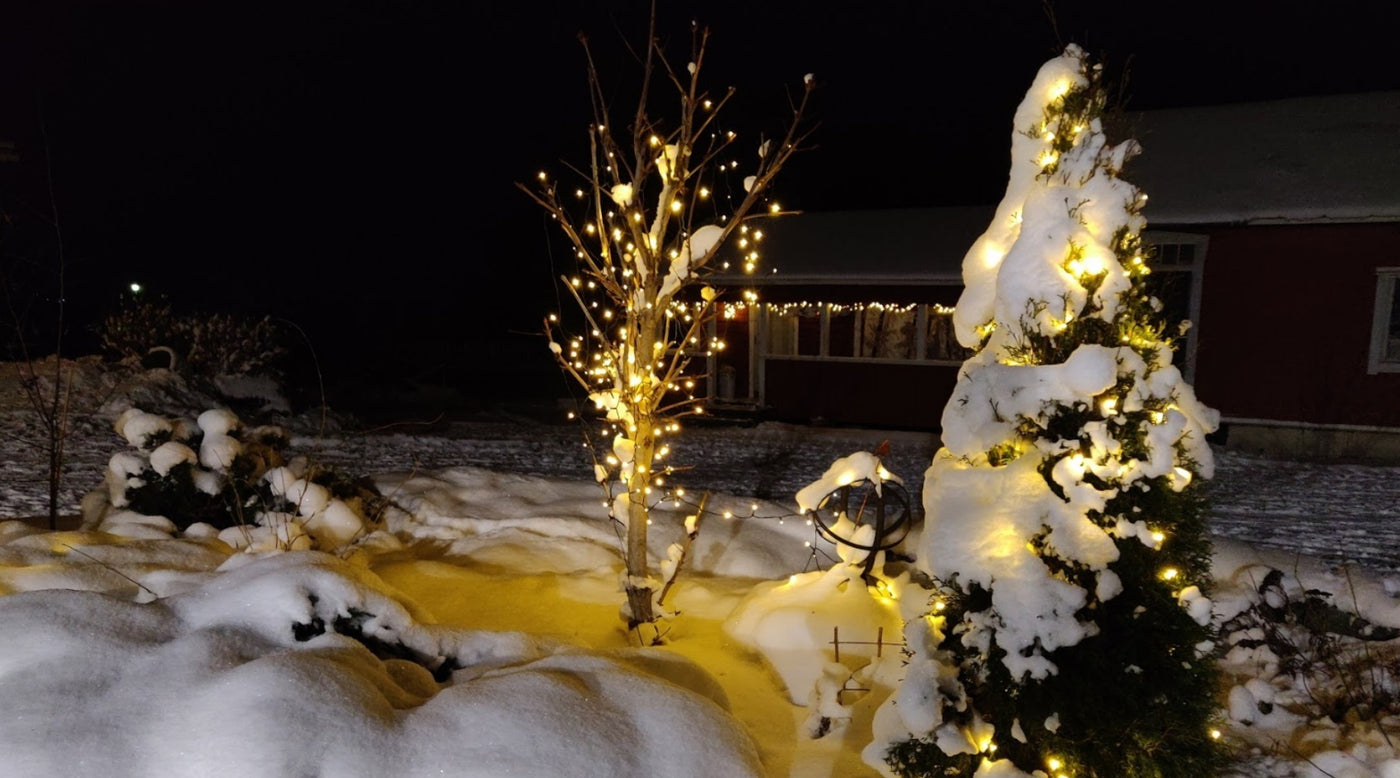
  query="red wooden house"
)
[{"x": 1277, "y": 232}]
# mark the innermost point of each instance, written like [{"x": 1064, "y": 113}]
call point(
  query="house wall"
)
[
  {"x": 1285, "y": 326},
  {"x": 836, "y": 390},
  {"x": 897, "y": 395},
  {"x": 1283, "y": 329}
]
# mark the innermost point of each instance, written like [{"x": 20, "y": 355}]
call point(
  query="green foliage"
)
[
  {"x": 189, "y": 493},
  {"x": 1134, "y": 701},
  {"x": 241, "y": 490},
  {"x": 176, "y": 497},
  {"x": 205, "y": 345},
  {"x": 1137, "y": 697}
]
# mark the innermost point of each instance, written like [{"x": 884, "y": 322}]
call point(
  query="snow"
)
[
  {"x": 985, "y": 515},
  {"x": 694, "y": 251},
  {"x": 228, "y": 685},
  {"x": 848, "y": 470},
  {"x": 983, "y": 261},
  {"x": 148, "y": 652},
  {"x": 1328, "y": 158},
  {"x": 1026, "y": 278}
]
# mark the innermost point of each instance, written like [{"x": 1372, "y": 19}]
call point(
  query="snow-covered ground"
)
[
  {"x": 1337, "y": 511},
  {"x": 478, "y": 634}
]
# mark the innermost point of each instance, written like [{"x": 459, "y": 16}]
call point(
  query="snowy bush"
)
[
  {"x": 210, "y": 477},
  {"x": 1069, "y": 629},
  {"x": 1298, "y": 657}
]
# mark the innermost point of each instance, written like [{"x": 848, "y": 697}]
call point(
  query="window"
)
[
  {"x": 782, "y": 333},
  {"x": 887, "y": 333},
  {"x": 941, "y": 342},
  {"x": 1385, "y": 322},
  {"x": 1178, "y": 262},
  {"x": 874, "y": 331}
]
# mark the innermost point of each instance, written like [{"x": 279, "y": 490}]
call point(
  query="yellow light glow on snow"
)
[{"x": 992, "y": 255}]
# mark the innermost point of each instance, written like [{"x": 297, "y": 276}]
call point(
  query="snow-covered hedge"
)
[{"x": 211, "y": 477}]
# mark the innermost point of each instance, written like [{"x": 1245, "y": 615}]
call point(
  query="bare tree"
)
[
  {"x": 646, "y": 226},
  {"x": 47, "y": 394}
]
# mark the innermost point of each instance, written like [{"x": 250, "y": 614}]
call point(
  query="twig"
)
[
  {"x": 393, "y": 424},
  {"x": 110, "y": 568},
  {"x": 685, "y": 549}
]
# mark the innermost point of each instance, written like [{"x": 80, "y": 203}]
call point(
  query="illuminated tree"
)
[
  {"x": 660, "y": 194},
  {"x": 1069, "y": 631}
]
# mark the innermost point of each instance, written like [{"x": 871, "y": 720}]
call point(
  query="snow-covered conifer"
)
[
  {"x": 1065, "y": 531},
  {"x": 645, "y": 223}
]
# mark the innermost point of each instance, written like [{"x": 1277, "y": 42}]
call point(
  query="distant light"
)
[{"x": 135, "y": 288}]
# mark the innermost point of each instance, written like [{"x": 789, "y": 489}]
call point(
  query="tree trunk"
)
[{"x": 638, "y": 513}]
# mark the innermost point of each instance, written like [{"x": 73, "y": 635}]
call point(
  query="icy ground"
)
[{"x": 1336, "y": 511}]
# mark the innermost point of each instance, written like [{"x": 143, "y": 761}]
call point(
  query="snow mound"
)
[
  {"x": 550, "y": 525},
  {"x": 300, "y": 664}
]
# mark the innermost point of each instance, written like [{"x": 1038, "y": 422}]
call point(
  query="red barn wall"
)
[
  {"x": 882, "y": 394},
  {"x": 1285, "y": 324}
]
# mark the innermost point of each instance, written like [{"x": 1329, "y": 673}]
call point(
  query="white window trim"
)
[
  {"x": 1386, "y": 280},
  {"x": 1197, "y": 268}
]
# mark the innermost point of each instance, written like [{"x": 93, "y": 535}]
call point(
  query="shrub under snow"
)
[{"x": 211, "y": 477}]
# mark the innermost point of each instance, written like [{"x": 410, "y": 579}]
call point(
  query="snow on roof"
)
[
  {"x": 1312, "y": 159},
  {"x": 902, "y": 246}
]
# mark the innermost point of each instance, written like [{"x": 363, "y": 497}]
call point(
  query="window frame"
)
[
  {"x": 1200, "y": 244},
  {"x": 1387, "y": 286}
]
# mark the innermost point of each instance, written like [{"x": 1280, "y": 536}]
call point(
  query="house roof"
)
[
  {"x": 892, "y": 246},
  {"x": 1313, "y": 159},
  {"x": 1302, "y": 160}
]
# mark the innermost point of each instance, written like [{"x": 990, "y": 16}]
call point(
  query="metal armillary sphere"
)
[{"x": 884, "y": 506}]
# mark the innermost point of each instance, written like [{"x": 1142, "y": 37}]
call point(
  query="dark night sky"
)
[{"x": 350, "y": 165}]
